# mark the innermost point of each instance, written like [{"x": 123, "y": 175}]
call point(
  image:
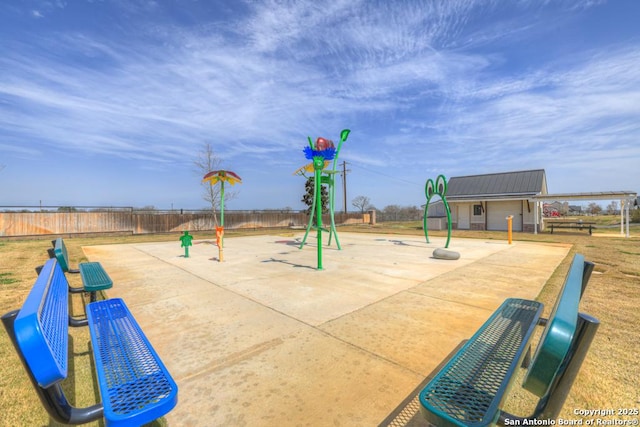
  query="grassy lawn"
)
[{"x": 609, "y": 377}]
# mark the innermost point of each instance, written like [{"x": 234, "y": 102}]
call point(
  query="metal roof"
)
[
  {"x": 506, "y": 185},
  {"x": 599, "y": 195}
]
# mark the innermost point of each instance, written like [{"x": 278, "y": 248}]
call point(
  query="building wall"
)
[
  {"x": 475, "y": 212},
  {"x": 478, "y": 214}
]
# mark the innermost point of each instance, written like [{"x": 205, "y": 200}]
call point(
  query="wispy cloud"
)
[{"x": 418, "y": 82}]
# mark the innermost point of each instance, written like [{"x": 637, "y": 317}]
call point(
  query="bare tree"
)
[
  {"x": 594, "y": 208},
  {"x": 612, "y": 208},
  {"x": 392, "y": 212},
  {"x": 362, "y": 202},
  {"x": 206, "y": 161}
]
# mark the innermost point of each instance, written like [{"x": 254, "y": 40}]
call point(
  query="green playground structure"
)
[{"x": 321, "y": 152}]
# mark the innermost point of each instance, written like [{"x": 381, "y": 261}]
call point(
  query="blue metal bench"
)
[
  {"x": 94, "y": 277},
  {"x": 134, "y": 384},
  {"x": 471, "y": 388}
]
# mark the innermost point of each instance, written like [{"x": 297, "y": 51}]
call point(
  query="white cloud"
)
[{"x": 419, "y": 83}]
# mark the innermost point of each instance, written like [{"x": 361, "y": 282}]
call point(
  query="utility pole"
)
[{"x": 344, "y": 183}]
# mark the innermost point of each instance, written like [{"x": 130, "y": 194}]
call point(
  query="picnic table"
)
[{"x": 572, "y": 224}]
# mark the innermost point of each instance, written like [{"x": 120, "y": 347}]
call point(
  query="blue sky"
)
[{"x": 109, "y": 102}]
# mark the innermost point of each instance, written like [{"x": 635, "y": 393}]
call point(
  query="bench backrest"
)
[
  {"x": 41, "y": 327},
  {"x": 60, "y": 251},
  {"x": 560, "y": 329}
]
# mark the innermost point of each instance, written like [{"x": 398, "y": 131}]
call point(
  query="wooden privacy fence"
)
[{"x": 142, "y": 222}]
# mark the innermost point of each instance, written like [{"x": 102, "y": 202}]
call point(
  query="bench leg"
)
[
  {"x": 527, "y": 359},
  {"x": 585, "y": 332},
  {"x": 551, "y": 403},
  {"x": 52, "y": 397}
]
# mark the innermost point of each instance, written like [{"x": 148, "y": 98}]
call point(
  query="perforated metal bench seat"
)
[
  {"x": 130, "y": 373},
  {"x": 470, "y": 388},
  {"x": 94, "y": 278}
]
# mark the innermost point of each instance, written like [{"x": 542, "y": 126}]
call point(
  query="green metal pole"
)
[
  {"x": 424, "y": 221},
  {"x": 311, "y": 213},
  {"x": 222, "y": 212},
  {"x": 332, "y": 196},
  {"x": 446, "y": 205},
  {"x": 331, "y": 177},
  {"x": 304, "y": 239},
  {"x": 318, "y": 202}
]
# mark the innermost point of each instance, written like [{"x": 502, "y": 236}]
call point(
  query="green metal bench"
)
[
  {"x": 471, "y": 388},
  {"x": 135, "y": 387},
  {"x": 94, "y": 277}
]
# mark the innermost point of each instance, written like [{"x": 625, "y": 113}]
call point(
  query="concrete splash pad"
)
[{"x": 264, "y": 339}]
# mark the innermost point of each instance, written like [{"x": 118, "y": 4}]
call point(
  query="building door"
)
[
  {"x": 497, "y": 212},
  {"x": 463, "y": 216}
]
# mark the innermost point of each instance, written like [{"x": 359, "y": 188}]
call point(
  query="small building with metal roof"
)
[{"x": 483, "y": 202}]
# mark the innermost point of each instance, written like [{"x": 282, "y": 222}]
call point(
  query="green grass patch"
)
[
  {"x": 629, "y": 253},
  {"x": 6, "y": 279},
  {"x": 630, "y": 273}
]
